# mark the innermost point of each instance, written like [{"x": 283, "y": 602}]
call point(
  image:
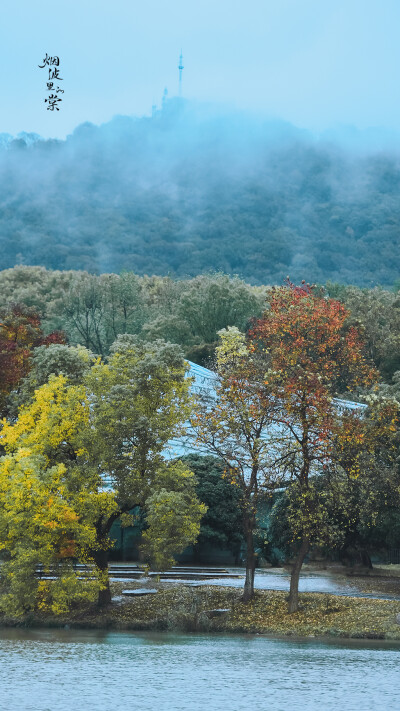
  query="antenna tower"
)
[{"x": 180, "y": 67}]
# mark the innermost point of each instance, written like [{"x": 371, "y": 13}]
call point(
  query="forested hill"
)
[{"x": 190, "y": 190}]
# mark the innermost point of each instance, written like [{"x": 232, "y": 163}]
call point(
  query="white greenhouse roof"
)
[{"x": 204, "y": 383}]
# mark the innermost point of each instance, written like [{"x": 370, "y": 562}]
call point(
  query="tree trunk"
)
[
  {"x": 294, "y": 579},
  {"x": 101, "y": 560},
  {"x": 248, "y": 592},
  {"x": 365, "y": 559},
  {"x": 101, "y": 553}
]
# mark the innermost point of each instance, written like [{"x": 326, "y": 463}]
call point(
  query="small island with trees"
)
[{"x": 300, "y": 429}]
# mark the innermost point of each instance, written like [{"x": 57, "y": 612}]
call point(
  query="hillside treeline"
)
[
  {"x": 189, "y": 190},
  {"x": 93, "y": 310}
]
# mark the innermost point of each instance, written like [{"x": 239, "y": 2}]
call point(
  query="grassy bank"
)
[{"x": 183, "y": 608}]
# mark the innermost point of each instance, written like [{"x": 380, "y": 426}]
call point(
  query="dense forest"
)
[
  {"x": 92, "y": 310},
  {"x": 54, "y": 326},
  {"x": 190, "y": 189}
]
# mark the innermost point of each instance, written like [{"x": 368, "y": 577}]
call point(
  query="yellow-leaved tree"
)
[
  {"x": 90, "y": 453},
  {"x": 50, "y": 499}
]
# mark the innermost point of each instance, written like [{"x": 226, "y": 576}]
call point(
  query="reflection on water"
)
[
  {"x": 57, "y": 670},
  {"x": 273, "y": 579}
]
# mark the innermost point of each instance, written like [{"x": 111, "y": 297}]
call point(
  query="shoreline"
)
[{"x": 214, "y": 609}]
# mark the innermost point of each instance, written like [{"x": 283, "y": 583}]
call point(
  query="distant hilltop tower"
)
[{"x": 180, "y": 67}]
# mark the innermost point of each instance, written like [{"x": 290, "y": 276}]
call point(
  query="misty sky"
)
[{"x": 315, "y": 63}]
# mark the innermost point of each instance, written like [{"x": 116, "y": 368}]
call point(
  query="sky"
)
[{"x": 315, "y": 63}]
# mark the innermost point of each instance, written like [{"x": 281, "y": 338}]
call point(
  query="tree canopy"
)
[
  {"x": 273, "y": 418},
  {"x": 20, "y": 333},
  {"x": 222, "y": 525},
  {"x": 312, "y": 353},
  {"x": 91, "y": 452}
]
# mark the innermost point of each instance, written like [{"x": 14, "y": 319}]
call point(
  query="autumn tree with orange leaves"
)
[
  {"x": 311, "y": 356},
  {"x": 272, "y": 416},
  {"x": 20, "y": 333}
]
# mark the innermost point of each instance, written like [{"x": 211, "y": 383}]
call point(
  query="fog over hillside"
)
[{"x": 195, "y": 188}]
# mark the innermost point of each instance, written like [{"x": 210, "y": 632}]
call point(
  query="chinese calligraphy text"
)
[{"x": 53, "y": 67}]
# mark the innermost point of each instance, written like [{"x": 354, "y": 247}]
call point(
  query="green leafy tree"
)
[
  {"x": 139, "y": 401},
  {"x": 222, "y": 524},
  {"x": 118, "y": 422},
  {"x": 98, "y": 309},
  {"x": 56, "y": 359},
  {"x": 125, "y": 305},
  {"x": 84, "y": 309},
  {"x": 173, "y": 514},
  {"x": 211, "y": 302},
  {"x": 39, "y": 289},
  {"x": 377, "y": 313}
]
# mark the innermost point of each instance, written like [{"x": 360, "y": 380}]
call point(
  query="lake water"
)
[{"x": 61, "y": 670}]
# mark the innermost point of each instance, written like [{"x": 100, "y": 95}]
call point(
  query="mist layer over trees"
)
[{"x": 190, "y": 189}]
